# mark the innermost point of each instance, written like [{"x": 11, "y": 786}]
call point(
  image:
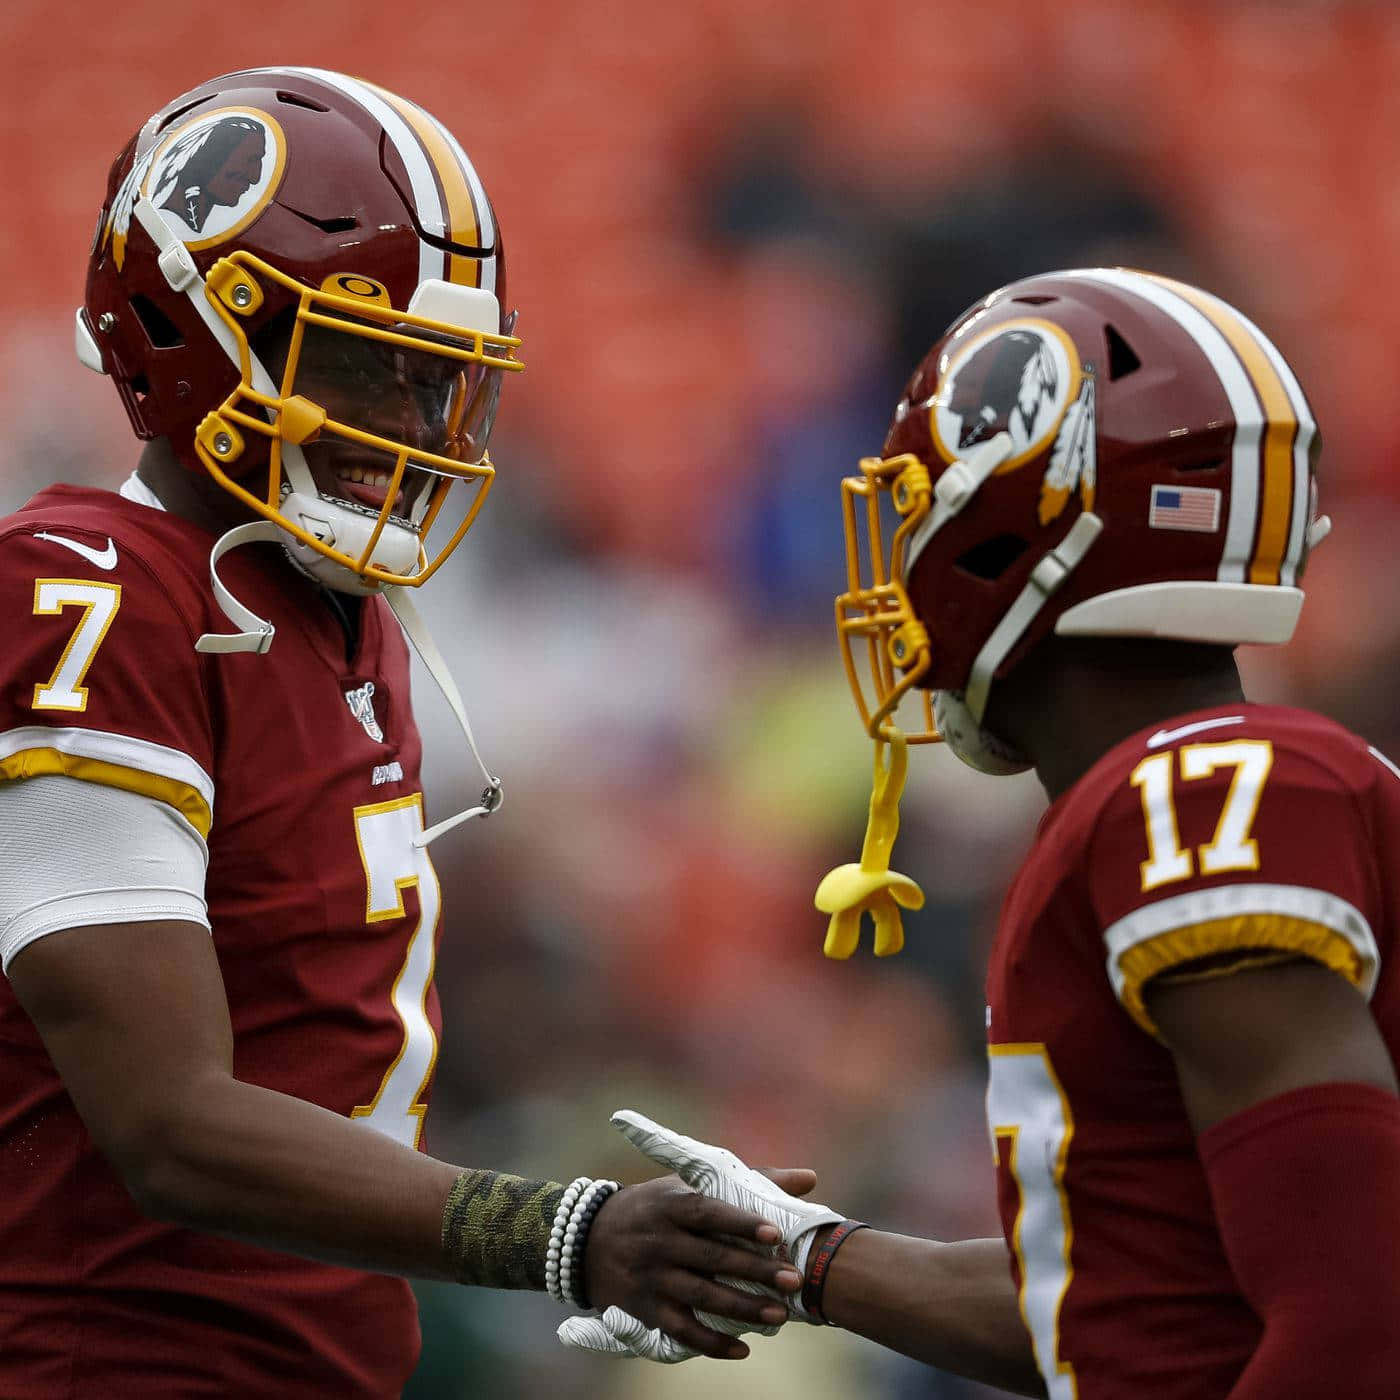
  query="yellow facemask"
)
[{"x": 458, "y": 369}]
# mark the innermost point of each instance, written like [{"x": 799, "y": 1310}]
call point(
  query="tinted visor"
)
[{"x": 408, "y": 394}]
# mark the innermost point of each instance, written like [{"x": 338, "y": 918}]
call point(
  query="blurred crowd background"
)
[{"x": 733, "y": 226}]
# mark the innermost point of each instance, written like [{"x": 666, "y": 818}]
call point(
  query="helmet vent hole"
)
[
  {"x": 992, "y": 558},
  {"x": 341, "y": 224},
  {"x": 296, "y": 99},
  {"x": 160, "y": 330},
  {"x": 1122, "y": 360},
  {"x": 172, "y": 117},
  {"x": 1034, "y": 300}
]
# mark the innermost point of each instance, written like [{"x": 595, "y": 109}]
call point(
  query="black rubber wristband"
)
[{"x": 819, "y": 1265}]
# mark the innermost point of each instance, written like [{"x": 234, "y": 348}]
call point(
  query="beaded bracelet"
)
[
  {"x": 820, "y": 1263},
  {"x": 571, "y": 1274},
  {"x": 554, "y": 1253}
]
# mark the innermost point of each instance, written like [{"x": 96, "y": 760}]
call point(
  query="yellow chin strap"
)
[{"x": 871, "y": 886}]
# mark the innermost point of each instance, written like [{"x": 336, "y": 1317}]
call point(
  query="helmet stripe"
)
[
  {"x": 483, "y": 205},
  {"x": 422, "y": 182},
  {"x": 1280, "y": 432},
  {"x": 1302, "y": 442},
  {"x": 485, "y": 219},
  {"x": 1243, "y": 399},
  {"x": 462, "y": 225}
]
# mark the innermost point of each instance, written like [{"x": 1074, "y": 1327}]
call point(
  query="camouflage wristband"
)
[{"x": 495, "y": 1229}]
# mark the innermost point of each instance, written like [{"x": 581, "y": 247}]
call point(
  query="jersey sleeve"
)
[
  {"x": 99, "y": 679},
  {"x": 1216, "y": 856}
]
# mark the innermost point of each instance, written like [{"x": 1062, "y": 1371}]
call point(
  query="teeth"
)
[{"x": 366, "y": 477}]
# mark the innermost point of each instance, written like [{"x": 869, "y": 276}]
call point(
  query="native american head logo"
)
[
  {"x": 210, "y": 177},
  {"x": 1024, "y": 378}
]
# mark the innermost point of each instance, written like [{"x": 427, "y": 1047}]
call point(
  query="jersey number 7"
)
[
  {"x": 386, "y": 832},
  {"x": 65, "y": 689},
  {"x": 1232, "y": 847}
]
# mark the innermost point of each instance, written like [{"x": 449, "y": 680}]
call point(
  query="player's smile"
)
[
  {"x": 344, "y": 472},
  {"x": 367, "y": 485}
]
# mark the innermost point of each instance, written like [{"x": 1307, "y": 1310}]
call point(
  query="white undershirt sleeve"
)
[{"x": 76, "y": 853}]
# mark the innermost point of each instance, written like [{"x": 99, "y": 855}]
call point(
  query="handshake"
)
[{"x": 718, "y": 1173}]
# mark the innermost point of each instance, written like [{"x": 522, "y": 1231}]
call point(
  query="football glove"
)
[{"x": 716, "y": 1172}]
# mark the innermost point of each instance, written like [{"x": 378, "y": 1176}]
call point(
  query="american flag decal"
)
[{"x": 1185, "y": 508}]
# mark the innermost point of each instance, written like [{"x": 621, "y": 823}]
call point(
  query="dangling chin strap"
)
[
  {"x": 258, "y": 632},
  {"x": 416, "y": 630},
  {"x": 257, "y": 635},
  {"x": 850, "y": 891}
]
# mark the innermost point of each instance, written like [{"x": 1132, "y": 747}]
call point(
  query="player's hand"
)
[
  {"x": 618, "y": 1333},
  {"x": 720, "y": 1174},
  {"x": 697, "y": 1268},
  {"x": 717, "y": 1172}
]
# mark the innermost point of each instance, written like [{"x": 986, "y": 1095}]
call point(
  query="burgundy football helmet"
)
[
  {"x": 1096, "y": 452},
  {"x": 297, "y": 279}
]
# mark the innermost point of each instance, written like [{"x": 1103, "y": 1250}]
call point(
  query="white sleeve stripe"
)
[
  {"x": 74, "y": 854},
  {"x": 118, "y": 749},
  {"x": 1234, "y": 901},
  {"x": 101, "y": 907}
]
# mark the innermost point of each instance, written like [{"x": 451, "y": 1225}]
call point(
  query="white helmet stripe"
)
[
  {"x": 1302, "y": 443},
  {"x": 1244, "y": 485},
  {"x": 432, "y": 262}
]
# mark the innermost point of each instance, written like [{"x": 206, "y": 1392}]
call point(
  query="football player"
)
[
  {"x": 1103, "y": 482},
  {"x": 218, "y": 915}
]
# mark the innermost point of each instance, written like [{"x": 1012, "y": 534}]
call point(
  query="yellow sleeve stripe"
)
[
  {"x": 1279, "y": 933},
  {"x": 187, "y": 800}
]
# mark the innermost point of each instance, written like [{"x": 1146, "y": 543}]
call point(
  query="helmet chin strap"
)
[
  {"x": 416, "y": 630},
  {"x": 960, "y": 716},
  {"x": 1055, "y": 566},
  {"x": 256, "y": 635}
]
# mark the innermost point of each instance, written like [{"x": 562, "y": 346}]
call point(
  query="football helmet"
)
[
  {"x": 1096, "y": 452},
  {"x": 297, "y": 278}
]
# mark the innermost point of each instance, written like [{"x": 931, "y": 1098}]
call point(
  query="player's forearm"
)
[
  {"x": 242, "y": 1160},
  {"x": 950, "y": 1305}
]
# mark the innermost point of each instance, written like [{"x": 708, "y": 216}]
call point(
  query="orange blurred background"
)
[{"x": 731, "y": 229}]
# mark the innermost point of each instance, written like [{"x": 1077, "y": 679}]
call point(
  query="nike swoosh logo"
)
[
  {"x": 105, "y": 559},
  {"x": 1165, "y": 736}
]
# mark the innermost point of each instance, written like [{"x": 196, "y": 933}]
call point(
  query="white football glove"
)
[
  {"x": 618, "y": 1333},
  {"x": 717, "y": 1172}
]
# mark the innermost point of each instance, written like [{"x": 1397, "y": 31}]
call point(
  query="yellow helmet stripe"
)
[
  {"x": 463, "y": 226},
  {"x": 1277, "y": 502}
]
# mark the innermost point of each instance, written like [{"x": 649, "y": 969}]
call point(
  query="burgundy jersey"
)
[
  {"x": 301, "y": 767},
  {"x": 1230, "y": 835}
]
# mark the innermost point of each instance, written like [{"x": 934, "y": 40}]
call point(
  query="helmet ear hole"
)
[
  {"x": 991, "y": 558},
  {"x": 161, "y": 331}
]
